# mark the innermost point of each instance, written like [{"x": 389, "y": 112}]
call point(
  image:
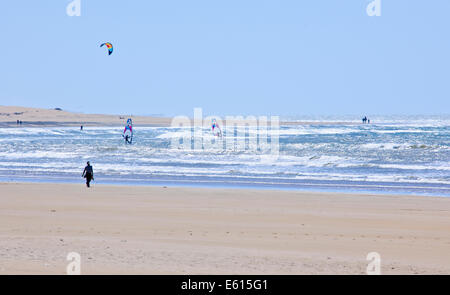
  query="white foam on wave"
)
[
  {"x": 38, "y": 154},
  {"x": 175, "y": 134},
  {"x": 371, "y": 178},
  {"x": 253, "y": 131},
  {"x": 386, "y": 146},
  {"x": 288, "y": 160},
  {"x": 29, "y": 131},
  {"x": 320, "y": 157},
  {"x": 398, "y": 131},
  {"x": 442, "y": 166}
]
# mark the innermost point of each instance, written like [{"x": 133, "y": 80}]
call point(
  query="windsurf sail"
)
[
  {"x": 216, "y": 128},
  {"x": 128, "y": 131},
  {"x": 109, "y": 46}
]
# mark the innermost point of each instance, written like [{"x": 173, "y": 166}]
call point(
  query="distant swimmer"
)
[{"x": 88, "y": 173}]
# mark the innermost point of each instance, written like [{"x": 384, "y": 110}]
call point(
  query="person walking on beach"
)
[{"x": 88, "y": 173}]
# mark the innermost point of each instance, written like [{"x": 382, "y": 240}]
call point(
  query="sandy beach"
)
[
  {"x": 37, "y": 117},
  {"x": 225, "y": 138},
  {"x": 168, "y": 230}
]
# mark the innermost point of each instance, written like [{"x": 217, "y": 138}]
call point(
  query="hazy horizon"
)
[{"x": 346, "y": 117}]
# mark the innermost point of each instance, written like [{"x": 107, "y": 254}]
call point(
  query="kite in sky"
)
[{"x": 109, "y": 46}]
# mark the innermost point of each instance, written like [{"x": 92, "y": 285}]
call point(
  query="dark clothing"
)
[
  {"x": 88, "y": 169},
  {"x": 88, "y": 179},
  {"x": 88, "y": 173}
]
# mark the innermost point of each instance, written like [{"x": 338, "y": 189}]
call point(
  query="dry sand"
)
[
  {"x": 34, "y": 117},
  {"x": 157, "y": 230}
]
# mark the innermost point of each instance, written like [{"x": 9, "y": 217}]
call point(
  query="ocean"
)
[{"x": 409, "y": 155}]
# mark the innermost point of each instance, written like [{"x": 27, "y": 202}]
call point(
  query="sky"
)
[{"x": 229, "y": 57}]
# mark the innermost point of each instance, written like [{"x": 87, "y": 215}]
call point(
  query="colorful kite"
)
[{"x": 109, "y": 46}]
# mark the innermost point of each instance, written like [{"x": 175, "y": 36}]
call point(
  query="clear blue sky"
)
[{"x": 227, "y": 56}]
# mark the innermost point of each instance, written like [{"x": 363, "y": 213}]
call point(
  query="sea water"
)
[{"x": 391, "y": 155}]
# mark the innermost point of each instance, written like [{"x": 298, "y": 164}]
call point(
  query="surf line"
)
[{"x": 193, "y": 285}]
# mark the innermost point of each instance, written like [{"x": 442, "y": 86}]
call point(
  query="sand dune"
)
[{"x": 156, "y": 230}]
